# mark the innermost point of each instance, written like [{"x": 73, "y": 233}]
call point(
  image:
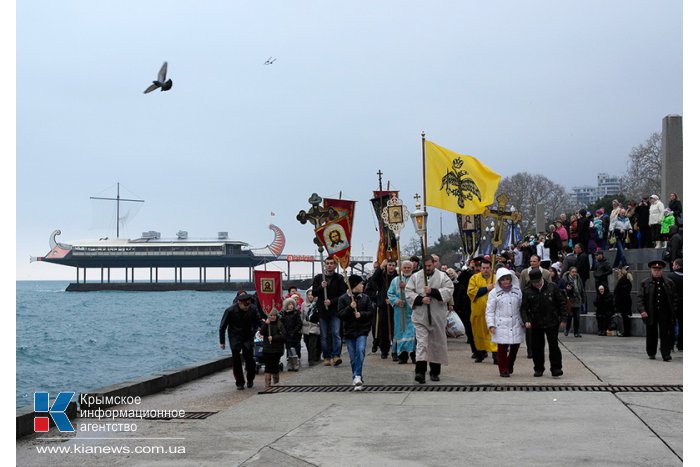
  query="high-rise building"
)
[
  {"x": 608, "y": 185},
  {"x": 587, "y": 194}
]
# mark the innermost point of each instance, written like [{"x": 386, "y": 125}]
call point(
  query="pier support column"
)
[
  {"x": 77, "y": 275},
  {"x": 109, "y": 275},
  {"x": 205, "y": 274},
  {"x": 84, "y": 275},
  {"x": 156, "y": 275},
  {"x": 180, "y": 275},
  {"x": 102, "y": 276},
  {"x": 132, "y": 275},
  {"x": 150, "y": 275}
]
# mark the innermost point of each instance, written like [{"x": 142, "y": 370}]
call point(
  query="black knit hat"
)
[{"x": 354, "y": 280}]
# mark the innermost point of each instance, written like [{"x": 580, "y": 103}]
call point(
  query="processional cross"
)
[
  {"x": 317, "y": 216},
  {"x": 500, "y": 214}
]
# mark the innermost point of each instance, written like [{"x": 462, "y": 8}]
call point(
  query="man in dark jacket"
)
[
  {"x": 355, "y": 312},
  {"x": 675, "y": 244},
  {"x": 657, "y": 305},
  {"x": 371, "y": 292},
  {"x": 384, "y": 319},
  {"x": 329, "y": 287},
  {"x": 677, "y": 278},
  {"x": 543, "y": 310},
  {"x": 463, "y": 306},
  {"x": 643, "y": 223},
  {"x": 583, "y": 229},
  {"x": 602, "y": 270},
  {"x": 584, "y": 270},
  {"x": 241, "y": 320}
]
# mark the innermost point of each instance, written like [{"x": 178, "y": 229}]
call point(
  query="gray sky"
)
[{"x": 564, "y": 89}]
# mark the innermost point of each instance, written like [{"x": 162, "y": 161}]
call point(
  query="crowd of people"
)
[{"x": 525, "y": 294}]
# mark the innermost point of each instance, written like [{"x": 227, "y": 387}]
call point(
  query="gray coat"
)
[{"x": 431, "y": 339}]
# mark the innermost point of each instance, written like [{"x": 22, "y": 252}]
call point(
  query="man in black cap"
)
[
  {"x": 354, "y": 309},
  {"x": 241, "y": 320},
  {"x": 543, "y": 310},
  {"x": 658, "y": 305}
]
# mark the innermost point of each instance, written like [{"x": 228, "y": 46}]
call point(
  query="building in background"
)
[{"x": 585, "y": 195}]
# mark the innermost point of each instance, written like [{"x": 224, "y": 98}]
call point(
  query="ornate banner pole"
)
[
  {"x": 500, "y": 214},
  {"x": 318, "y": 216},
  {"x": 394, "y": 216}
]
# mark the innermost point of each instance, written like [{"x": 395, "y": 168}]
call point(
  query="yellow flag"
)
[{"x": 457, "y": 182}]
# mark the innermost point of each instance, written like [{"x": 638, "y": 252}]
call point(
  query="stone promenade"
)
[{"x": 613, "y": 406}]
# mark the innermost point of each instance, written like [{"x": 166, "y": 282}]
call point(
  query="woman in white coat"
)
[{"x": 503, "y": 319}]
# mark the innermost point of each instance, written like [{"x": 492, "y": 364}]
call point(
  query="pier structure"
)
[{"x": 156, "y": 254}]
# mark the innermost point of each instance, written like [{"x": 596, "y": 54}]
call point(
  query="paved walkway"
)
[{"x": 408, "y": 427}]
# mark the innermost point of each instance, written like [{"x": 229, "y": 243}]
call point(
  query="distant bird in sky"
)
[
  {"x": 160, "y": 82},
  {"x": 269, "y": 61}
]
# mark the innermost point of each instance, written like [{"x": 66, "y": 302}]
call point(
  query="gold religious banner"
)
[
  {"x": 500, "y": 214},
  {"x": 394, "y": 216}
]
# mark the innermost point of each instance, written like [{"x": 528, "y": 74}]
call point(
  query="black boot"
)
[
  {"x": 421, "y": 368},
  {"x": 494, "y": 355},
  {"x": 480, "y": 356},
  {"x": 413, "y": 357},
  {"x": 435, "y": 371}
]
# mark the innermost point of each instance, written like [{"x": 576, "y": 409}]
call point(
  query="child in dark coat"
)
[
  {"x": 273, "y": 334},
  {"x": 291, "y": 318}
]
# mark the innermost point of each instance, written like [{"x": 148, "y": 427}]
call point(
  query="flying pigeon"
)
[
  {"x": 269, "y": 61},
  {"x": 160, "y": 82}
]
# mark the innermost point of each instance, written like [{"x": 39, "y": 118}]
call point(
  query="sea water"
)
[{"x": 80, "y": 341}]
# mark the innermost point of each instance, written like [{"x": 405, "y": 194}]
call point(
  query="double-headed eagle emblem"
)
[{"x": 455, "y": 183}]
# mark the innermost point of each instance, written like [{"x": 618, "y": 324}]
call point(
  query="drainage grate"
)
[
  {"x": 612, "y": 388},
  {"x": 187, "y": 416}
]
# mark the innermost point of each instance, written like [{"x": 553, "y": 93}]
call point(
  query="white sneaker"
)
[{"x": 357, "y": 381}]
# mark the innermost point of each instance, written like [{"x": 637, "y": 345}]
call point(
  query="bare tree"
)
[
  {"x": 526, "y": 191},
  {"x": 412, "y": 247},
  {"x": 643, "y": 176}
]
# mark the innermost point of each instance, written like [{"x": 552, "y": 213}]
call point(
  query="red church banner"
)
[
  {"x": 335, "y": 237},
  {"x": 343, "y": 207},
  {"x": 268, "y": 287}
]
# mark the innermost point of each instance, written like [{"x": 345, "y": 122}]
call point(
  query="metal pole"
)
[{"x": 425, "y": 201}]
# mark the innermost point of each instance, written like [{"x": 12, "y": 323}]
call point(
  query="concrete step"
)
[{"x": 589, "y": 325}]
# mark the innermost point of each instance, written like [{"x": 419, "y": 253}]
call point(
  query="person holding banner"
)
[
  {"x": 404, "y": 344},
  {"x": 428, "y": 292},
  {"x": 384, "y": 319},
  {"x": 328, "y": 287},
  {"x": 354, "y": 309}
]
